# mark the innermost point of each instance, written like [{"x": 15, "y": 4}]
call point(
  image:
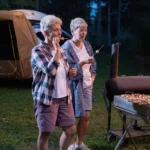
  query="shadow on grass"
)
[
  {"x": 6, "y": 147},
  {"x": 11, "y": 83},
  {"x": 97, "y": 147}
]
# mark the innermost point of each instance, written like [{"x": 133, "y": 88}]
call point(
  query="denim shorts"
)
[
  {"x": 59, "y": 113},
  {"x": 87, "y": 101}
]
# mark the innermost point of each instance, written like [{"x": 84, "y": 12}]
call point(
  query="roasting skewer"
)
[
  {"x": 63, "y": 38},
  {"x": 97, "y": 51}
]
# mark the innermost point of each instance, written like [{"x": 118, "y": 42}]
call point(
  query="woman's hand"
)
[
  {"x": 88, "y": 61},
  {"x": 56, "y": 43},
  {"x": 57, "y": 48},
  {"x": 72, "y": 72}
]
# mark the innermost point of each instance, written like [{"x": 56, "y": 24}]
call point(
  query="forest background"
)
[{"x": 110, "y": 21}]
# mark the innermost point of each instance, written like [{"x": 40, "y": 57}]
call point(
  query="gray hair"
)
[
  {"x": 76, "y": 23},
  {"x": 48, "y": 21}
]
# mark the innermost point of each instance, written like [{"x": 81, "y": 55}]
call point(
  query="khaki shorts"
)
[{"x": 59, "y": 113}]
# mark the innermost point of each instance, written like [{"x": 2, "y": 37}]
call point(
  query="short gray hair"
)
[
  {"x": 76, "y": 23},
  {"x": 47, "y": 22}
]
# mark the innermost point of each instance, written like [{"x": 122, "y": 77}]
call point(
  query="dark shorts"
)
[{"x": 59, "y": 113}]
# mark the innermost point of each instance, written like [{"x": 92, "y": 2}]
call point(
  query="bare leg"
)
[
  {"x": 72, "y": 142},
  {"x": 82, "y": 127},
  {"x": 67, "y": 136},
  {"x": 43, "y": 140}
]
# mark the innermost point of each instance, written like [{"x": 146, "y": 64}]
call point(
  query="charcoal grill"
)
[
  {"x": 134, "y": 112},
  {"x": 118, "y": 85}
]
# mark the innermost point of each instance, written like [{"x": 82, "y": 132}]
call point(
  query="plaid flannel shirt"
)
[{"x": 44, "y": 69}]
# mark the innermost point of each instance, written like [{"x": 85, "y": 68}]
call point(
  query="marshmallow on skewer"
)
[{"x": 97, "y": 51}]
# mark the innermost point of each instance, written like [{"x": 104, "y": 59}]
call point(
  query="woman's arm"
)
[
  {"x": 46, "y": 65},
  {"x": 94, "y": 64},
  {"x": 74, "y": 64}
]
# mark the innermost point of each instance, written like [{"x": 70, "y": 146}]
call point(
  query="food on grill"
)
[{"x": 140, "y": 99}]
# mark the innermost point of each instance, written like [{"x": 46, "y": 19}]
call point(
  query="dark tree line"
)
[{"x": 124, "y": 21}]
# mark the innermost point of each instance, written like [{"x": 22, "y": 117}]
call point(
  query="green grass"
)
[{"x": 18, "y": 129}]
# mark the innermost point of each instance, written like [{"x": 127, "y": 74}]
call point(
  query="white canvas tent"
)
[{"x": 17, "y": 39}]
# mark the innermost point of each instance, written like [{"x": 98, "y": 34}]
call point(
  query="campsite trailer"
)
[{"x": 16, "y": 42}]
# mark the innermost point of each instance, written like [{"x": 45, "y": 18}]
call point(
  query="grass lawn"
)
[{"x": 18, "y": 129}]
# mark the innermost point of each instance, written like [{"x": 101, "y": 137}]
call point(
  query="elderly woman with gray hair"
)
[
  {"x": 50, "y": 86},
  {"x": 80, "y": 55}
]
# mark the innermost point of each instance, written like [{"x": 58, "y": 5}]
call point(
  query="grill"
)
[
  {"x": 117, "y": 85},
  {"x": 129, "y": 107}
]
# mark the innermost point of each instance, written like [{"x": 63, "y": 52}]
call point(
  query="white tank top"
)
[
  {"x": 83, "y": 55},
  {"x": 60, "y": 83}
]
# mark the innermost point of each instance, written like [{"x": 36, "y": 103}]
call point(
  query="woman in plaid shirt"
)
[{"x": 50, "y": 89}]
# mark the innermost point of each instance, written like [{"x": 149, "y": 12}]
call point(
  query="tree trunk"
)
[
  {"x": 88, "y": 17},
  {"x": 99, "y": 23},
  {"x": 118, "y": 21},
  {"x": 109, "y": 24},
  {"x": 37, "y": 5},
  {"x": 3, "y": 2}
]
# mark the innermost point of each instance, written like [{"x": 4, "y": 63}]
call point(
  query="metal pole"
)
[{"x": 114, "y": 60}]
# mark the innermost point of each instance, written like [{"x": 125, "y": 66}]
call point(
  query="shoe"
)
[
  {"x": 81, "y": 147},
  {"x": 72, "y": 147}
]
